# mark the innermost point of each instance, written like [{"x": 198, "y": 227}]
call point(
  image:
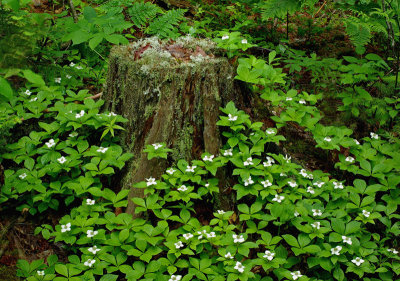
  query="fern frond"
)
[
  {"x": 279, "y": 8},
  {"x": 164, "y": 25},
  {"x": 141, "y": 13},
  {"x": 359, "y": 33}
]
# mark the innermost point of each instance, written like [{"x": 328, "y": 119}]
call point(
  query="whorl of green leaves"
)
[
  {"x": 141, "y": 13},
  {"x": 164, "y": 25}
]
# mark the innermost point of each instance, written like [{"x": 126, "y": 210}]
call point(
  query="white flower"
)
[
  {"x": 178, "y": 244},
  {"x": 267, "y": 164},
  {"x": 225, "y": 37},
  {"x": 221, "y": 212},
  {"x": 296, "y": 275},
  {"x": 282, "y": 175},
  {"x": 73, "y": 134},
  {"x": 270, "y": 160},
  {"x": 175, "y": 278},
  {"x": 89, "y": 262},
  {"x": 183, "y": 188},
  {"x": 357, "y": 142},
  {"x": 310, "y": 190},
  {"x": 374, "y": 136},
  {"x": 228, "y": 255},
  {"x": 287, "y": 158},
  {"x": 50, "y": 143},
  {"x": 27, "y": 92},
  {"x": 228, "y": 152},
  {"x": 68, "y": 76},
  {"x": 336, "y": 250},
  {"x": 62, "y": 160},
  {"x": 394, "y": 251},
  {"x": 316, "y": 212},
  {"x": 316, "y": 225},
  {"x": 292, "y": 183},
  {"x": 93, "y": 250},
  {"x": 22, "y": 176},
  {"x": 201, "y": 233},
  {"x": 57, "y": 80},
  {"x": 79, "y": 67},
  {"x": 319, "y": 183},
  {"x": 266, "y": 183},
  {"x": 237, "y": 238},
  {"x": 171, "y": 171},
  {"x": 112, "y": 114},
  {"x": 270, "y": 131},
  {"x": 40, "y": 272},
  {"x": 268, "y": 255},
  {"x": 289, "y": 98},
  {"x": 278, "y": 198},
  {"x": 232, "y": 117},
  {"x": 239, "y": 267},
  {"x": 248, "y": 181},
  {"x": 91, "y": 233},
  {"x": 302, "y": 101},
  {"x": 157, "y": 145},
  {"x": 208, "y": 158},
  {"x": 337, "y": 185},
  {"x": 366, "y": 213},
  {"x": 80, "y": 114},
  {"x": 102, "y": 149},
  {"x": 358, "y": 261},
  {"x": 347, "y": 240},
  {"x": 66, "y": 227},
  {"x": 349, "y": 159},
  {"x": 187, "y": 236},
  {"x": 296, "y": 214},
  {"x": 151, "y": 181},
  {"x": 33, "y": 99},
  {"x": 190, "y": 169},
  {"x": 207, "y": 185},
  {"x": 244, "y": 41},
  {"x": 211, "y": 234},
  {"x": 303, "y": 172},
  {"x": 72, "y": 64},
  {"x": 90, "y": 202},
  {"x": 328, "y": 139},
  {"x": 248, "y": 162}
]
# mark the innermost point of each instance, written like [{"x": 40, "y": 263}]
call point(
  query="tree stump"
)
[{"x": 170, "y": 92}]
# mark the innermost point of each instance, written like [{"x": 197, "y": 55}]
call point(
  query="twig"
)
[
  {"x": 72, "y": 7},
  {"x": 95, "y": 96},
  {"x": 323, "y": 4}
]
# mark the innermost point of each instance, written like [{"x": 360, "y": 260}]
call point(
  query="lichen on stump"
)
[{"x": 169, "y": 92}]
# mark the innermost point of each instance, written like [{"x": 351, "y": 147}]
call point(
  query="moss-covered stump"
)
[{"x": 170, "y": 92}]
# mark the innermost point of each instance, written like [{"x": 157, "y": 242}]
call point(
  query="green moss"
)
[{"x": 7, "y": 273}]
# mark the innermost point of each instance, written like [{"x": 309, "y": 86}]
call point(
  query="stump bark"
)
[{"x": 170, "y": 92}]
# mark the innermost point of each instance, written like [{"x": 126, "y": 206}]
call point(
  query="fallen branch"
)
[{"x": 95, "y": 96}]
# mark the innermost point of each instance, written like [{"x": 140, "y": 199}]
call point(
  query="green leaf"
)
[
  {"x": 96, "y": 40},
  {"x": 5, "y": 89},
  {"x": 62, "y": 269},
  {"x": 34, "y": 78},
  {"x": 291, "y": 240},
  {"x": 109, "y": 277}
]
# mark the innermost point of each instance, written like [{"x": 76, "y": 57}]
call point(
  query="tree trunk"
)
[{"x": 169, "y": 92}]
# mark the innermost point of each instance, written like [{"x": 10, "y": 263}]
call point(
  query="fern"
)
[
  {"x": 279, "y": 8},
  {"x": 359, "y": 33},
  {"x": 164, "y": 25},
  {"x": 141, "y": 13}
]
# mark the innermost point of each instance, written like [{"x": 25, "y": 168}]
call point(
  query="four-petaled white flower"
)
[
  {"x": 225, "y": 37},
  {"x": 80, "y": 114},
  {"x": 296, "y": 214},
  {"x": 22, "y": 176},
  {"x": 190, "y": 169},
  {"x": 57, "y": 80},
  {"x": 28, "y": 93},
  {"x": 182, "y": 188},
  {"x": 394, "y": 251},
  {"x": 208, "y": 158},
  {"x": 102, "y": 149},
  {"x": 90, "y": 201},
  {"x": 316, "y": 225},
  {"x": 221, "y": 212},
  {"x": 91, "y": 233},
  {"x": 287, "y": 158},
  {"x": 228, "y": 152},
  {"x": 211, "y": 234},
  {"x": 347, "y": 240},
  {"x": 266, "y": 183},
  {"x": 357, "y": 261},
  {"x": 151, "y": 181},
  {"x": 316, "y": 212},
  {"x": 366, "y": 213},
  {"x": 50, "y": 143},
  {"x": 79, "y": 67},
  {"x": 292, "y": 183},
  {"x": 72, "y": 64},
  {"x": 171, "y": 171},
  {"x": 337, "y": 185},
  {"x": 232, "y": 117},
  {"x": 187, "y": 236},
  {"x": 349, "y": 159},
  {"x": 178, "y": 244},
  {"x": 73, "y": 134},
  {"x": 327, "y": 139},
  {"x": 40, "y": 272},
  {"x": 268, "y": 255},
  {"x": 175, "y": 278},
  {"x": 228, "y": 255},
  {"x": 68, "y": 76},
  {"x": 248, "y": 181},
  {"x": 302, "y": 101},
  {"x": 270, "y": 131},
  {"x": 374, "y": 136},
  {"x": 336, "y": 250},
  {"x": 93, "y": 250},
  {"x": 296, "y": 275},
  {"x": 357, "y": 142},
  {"x": 310, "y": 190},
  {"x": 244, "y": 41},
  {"x": 237, "y": 238},
  {"x": 248, "y": 162},
  {"x": 278, "y": 198},
  {"x": 111, "y": 114},
  {"x": 201, "y": 233},
  {"x": 33, "y": 99},
  {"x": 319, "y": 183},
  {"x": 66, "y": 227},
  {"x": 289, "y": 98},
  {"x": 239, "y": 267},
  {"x": 157, "y": 145},
  {"x": 89, "y": 262},
  {"x": 283, "y": 175},
  {"x": 62, "y": 160}
]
